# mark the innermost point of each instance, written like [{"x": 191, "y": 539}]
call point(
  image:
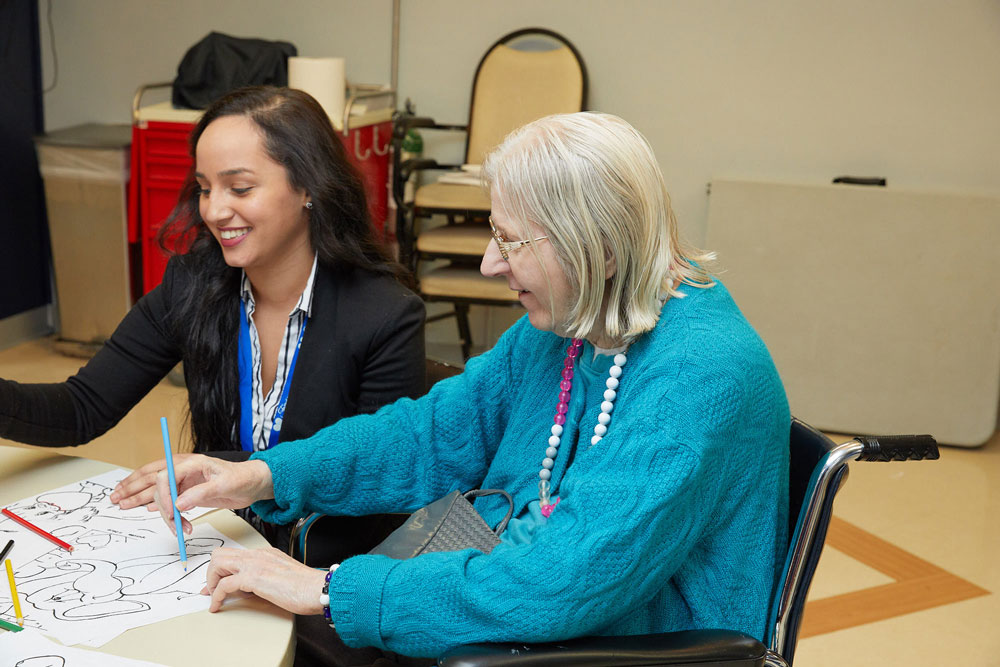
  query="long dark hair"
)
[{"x": 297, "y": 135}]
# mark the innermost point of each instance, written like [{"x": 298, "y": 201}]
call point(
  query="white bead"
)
[
  {"x": 609, "y": 394},
  {"x": 557, "y": 429},
  {"x": 324, "y": 600},
  {"x": 551, "y": 452},
  {"x": 544, "y": 474},
  {"x": 615, "y": 372},
  {"x": 547, "y": 463},
  {"x": 607, "y": 406},
  {"x": 612, "y": 383},
  {"x": 553, "y": 440},
  {"x": 596, "y": 439},
  {"x": 620, "y": 359},
  {"x": 604, "y": 418},
  {"x": 600, "y": 429}
]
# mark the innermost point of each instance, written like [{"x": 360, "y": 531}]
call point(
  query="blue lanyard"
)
[{"x": 245, "y": 363}]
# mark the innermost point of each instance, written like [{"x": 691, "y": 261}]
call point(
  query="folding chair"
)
[{"x": 524, "y": 76}]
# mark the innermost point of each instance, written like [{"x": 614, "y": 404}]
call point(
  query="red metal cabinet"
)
[{"x": 160, "y": 164}]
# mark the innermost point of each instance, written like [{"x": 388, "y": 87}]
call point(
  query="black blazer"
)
[{"x": 363, "y": 348}]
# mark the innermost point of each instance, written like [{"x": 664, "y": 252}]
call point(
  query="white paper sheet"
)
[
  {"x": 92, "y": 597},
  {"x": 29, "y": 648},
  {"x": 82, "y": 515},
  {"x": 124, "y": 571}
]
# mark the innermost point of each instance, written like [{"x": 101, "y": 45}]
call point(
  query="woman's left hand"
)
[
  {"x": 267, "y": 573},
  {"x": 137, "y": 489}
]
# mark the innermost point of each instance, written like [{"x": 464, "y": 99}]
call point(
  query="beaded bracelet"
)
[{"x": 324, "y": 598}]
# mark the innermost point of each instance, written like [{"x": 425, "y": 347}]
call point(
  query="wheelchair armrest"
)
[{"x": 686, "y": 648}]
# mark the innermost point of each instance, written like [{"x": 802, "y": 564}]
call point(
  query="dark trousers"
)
[{"x": 319, "y": 645}]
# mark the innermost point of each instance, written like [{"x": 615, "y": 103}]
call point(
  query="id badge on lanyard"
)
[{"x": 245, "y": 363}]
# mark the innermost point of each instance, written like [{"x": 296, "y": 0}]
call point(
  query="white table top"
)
[{"x": 246, "y": 633}]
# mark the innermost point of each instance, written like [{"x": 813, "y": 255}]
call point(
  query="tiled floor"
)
[
  {"x": 909, "y": 576},
  {"x": 922, "y": 578}
]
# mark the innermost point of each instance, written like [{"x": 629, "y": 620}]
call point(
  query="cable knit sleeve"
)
[{"x": 404, "y": 456}]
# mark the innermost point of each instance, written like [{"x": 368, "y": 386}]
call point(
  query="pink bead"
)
[
  {"x": 567, "y": 373},
  {"x": 547, "y": 509},
  {"x": 568, "y": 362},
  {"x": 565, "y": 385},
  {"x": 572, "y": 351},
  {"x": 560, "y": 419},
  {"x": 564, "y": 397},
  {"x": 562, "y": 408},
  {"x": 578, "y": 342}
]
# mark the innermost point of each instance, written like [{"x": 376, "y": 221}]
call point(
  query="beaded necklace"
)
[{"x": 603, "y": 419}]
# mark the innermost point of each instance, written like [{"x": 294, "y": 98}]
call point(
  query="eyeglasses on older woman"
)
[{"x": 506, "y": 246}]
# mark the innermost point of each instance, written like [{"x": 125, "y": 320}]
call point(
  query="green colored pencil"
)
[{"x": 10, "y": 626}]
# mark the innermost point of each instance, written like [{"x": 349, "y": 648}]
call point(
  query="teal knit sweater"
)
[{"x": 675, "y": 520}]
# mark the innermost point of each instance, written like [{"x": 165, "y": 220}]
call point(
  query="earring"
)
[{"x": 309, "y": 205}]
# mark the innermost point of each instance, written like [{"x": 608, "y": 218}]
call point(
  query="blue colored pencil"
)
[{"x": 173, "y": 491}]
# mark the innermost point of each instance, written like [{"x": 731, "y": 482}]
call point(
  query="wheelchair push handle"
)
[{"x": 898, "y": 448}]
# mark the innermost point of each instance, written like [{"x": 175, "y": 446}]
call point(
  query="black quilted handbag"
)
[{"x": 448, "y": 524}]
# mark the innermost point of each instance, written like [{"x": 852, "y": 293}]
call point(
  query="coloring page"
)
[
  {"x": 29, "y": 648},
  {"x": 82, "y": 515},
  {"x": 93, "y": 595}
]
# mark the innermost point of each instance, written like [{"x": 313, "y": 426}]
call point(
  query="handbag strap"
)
[{"x": 476, "y": 493}]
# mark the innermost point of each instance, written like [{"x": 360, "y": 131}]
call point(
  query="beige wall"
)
[
  {"x": 785, "y": 89},
  {"x": 799, "y": 90}
]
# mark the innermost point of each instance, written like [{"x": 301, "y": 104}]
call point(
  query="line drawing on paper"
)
[
  {"x": 42, "y": 661},
  {"x": 84, "y": 502},
  {"x": 73, "y": 589}
]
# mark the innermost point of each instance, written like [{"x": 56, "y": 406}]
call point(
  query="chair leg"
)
[
  {"x": 464, "y": 335},
  {"x": 405, "y": 234}
]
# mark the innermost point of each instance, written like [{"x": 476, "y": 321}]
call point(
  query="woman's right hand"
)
[{"x": 205, "y": 481}]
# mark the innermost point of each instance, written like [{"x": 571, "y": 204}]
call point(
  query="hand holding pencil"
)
[{"x": 205, "y": 481}]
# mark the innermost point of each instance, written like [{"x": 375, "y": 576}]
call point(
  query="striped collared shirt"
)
[{"x": 264, "y": 407}]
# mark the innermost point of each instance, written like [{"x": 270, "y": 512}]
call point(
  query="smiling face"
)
[
  {"x": 246, "y": 200},
  {"x": 546, "y": 300}
]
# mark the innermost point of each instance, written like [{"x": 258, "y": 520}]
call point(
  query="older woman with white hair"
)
[{"x": 634, "y": 415}]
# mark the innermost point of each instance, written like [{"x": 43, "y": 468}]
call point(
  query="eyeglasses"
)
[{"x": 506, "y": 246}]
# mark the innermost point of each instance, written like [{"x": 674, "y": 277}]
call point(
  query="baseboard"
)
[{"x": 25, "y": 326}]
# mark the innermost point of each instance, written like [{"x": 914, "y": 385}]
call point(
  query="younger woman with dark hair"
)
[{"x": 286, "y": 313}]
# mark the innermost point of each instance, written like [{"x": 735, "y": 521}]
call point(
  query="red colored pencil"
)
[{"x": 31, "y": 526}]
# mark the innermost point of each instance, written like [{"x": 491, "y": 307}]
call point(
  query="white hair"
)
[{"x": 591, "y": 182}]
